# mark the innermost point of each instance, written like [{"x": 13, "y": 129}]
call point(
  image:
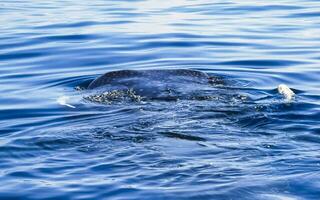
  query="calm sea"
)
[{"x": 258, "y": 148}]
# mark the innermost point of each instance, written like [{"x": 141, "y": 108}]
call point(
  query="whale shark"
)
[{"x": 157, "y": 84}]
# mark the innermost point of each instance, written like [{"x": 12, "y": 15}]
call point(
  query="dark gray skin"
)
[
  {"x": 162, "y": 84},
  {"x": 163, "y": 74}
]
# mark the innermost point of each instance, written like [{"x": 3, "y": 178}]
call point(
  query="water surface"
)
[{"x": 259, "y": 147}]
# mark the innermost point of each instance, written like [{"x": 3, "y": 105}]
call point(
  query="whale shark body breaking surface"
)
[
  {"x": 164, "y": 84},
  {"x": 127, "y": 77}
]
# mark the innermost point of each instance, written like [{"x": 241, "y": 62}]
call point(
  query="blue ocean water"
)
[{"x": 259, "y": 148}]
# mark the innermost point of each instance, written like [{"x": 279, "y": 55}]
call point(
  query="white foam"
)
[
  {"x": 63, "y": 101},
  {"x": 286, "y": 92}
]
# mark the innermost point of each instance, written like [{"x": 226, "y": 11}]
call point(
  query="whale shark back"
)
[
  {"x": 158, "y": 84},
  {"x": 145, "y": 76}
]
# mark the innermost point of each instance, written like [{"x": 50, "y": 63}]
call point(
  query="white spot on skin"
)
[
  {"x": 286, "y": 92},
  {"x": 63, "y": 101}
]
